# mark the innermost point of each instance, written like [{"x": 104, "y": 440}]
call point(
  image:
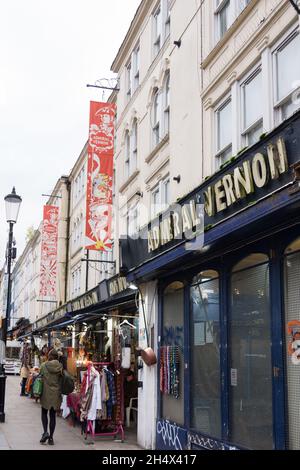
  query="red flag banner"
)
[
  {"x": 100, "y": 174},
  {"x": 48, "y": 272}
]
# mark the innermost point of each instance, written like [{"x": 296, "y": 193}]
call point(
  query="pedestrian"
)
[
  {"x": 51, "y": 372},
  {"x": 24, "y": 374},
  {"x": 25, "y": 367}
]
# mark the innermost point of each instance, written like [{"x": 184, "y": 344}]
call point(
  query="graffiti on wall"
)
[
  {"x": 195, "y": 441},
  {"x": 173, "y": 336},
  {"x": 170, "y": 436}
]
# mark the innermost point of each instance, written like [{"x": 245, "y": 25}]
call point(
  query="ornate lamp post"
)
[{"x": 12, "y": 207}]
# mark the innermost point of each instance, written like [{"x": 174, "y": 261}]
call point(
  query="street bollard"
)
[{"x": 2, "y": 397}]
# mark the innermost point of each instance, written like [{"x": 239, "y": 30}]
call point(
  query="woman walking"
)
[{"x": 51, "y": 398}]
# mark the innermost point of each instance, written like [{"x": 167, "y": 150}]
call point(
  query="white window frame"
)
[
  {"x": 127, "y": 154},
  {"x": 161, "y": 20},
  {"x": 160, "y": 190},
  {"x": 132, "y": 220},
  {"x": 129, "y": 80},
  {"x": 166, "y": 104},
  {"x": 220, "y": 151},
  {"x": 245, "y": 131},
  {"x": 131, "y": 150},
  {"x": 279, "y": 103},
  {"x": 235, "y": 8},
  {"x": 133, "y": 147},
  {"x": 135, "y": 61},
  {"x": 156, "y": 114}
]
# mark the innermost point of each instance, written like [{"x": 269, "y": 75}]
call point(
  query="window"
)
[
  {"x": 156, "y": 118},
  {"x": 172, "y": 345},
  {"x": 167, "y": 104},
  {"x": 160, "y": 197},
  {"x": 286, "y": 60},
  {"x": 131, "y": 145},
  {"x": 161, "y": 25},
  {"x": 252, "y": 108},
  {"x": 250, "y": 374},
  {"x": 205, "y": 354},
  {"x": 127, "y": 155},
  {"x": 226, "y": 11},
  {"x": 224, "y": 132},
  {"x": 161, "y": 112},
  {"x": 222, "y": 15},
  {"x": 133, "y": 221},
  {"x": 136, "y": 68},
  {"x": 128, "y": 81},
  {"x": 292, "y": 314}
]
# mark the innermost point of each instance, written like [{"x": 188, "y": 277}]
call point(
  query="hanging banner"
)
[
  {"x": 100, "y": 174},
  {"x": 48, "y": 271}
]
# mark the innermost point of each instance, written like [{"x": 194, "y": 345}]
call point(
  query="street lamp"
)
[
  {"x": 296, "y": 5},
  {"x": 12, "y": 207}
]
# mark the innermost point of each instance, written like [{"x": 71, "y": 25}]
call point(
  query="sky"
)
[{"x": 49, "y": 51}]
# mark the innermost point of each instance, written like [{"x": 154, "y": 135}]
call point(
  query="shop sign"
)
[
  {"x": 91, "y": 298},
  {"x": 117, "y": 285},
  {"x": 254, "y": 175}
]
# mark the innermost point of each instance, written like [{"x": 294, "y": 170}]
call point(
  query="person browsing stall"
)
[{"x": 51, "y": 372}]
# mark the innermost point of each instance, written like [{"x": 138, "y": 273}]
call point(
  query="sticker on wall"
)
[
  {"x": 233, "y": 377},
  {"x": 293, "y": 330}
]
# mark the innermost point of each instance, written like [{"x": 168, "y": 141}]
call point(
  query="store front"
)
[
  {"x": 229, "y": 311},
  {"x": 99, "y": 330}
]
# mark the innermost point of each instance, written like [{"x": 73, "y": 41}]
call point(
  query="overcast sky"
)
[{"x": 49, "y": 51}]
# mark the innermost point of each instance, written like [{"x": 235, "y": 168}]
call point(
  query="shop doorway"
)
[{"x": 250, "y": 358}]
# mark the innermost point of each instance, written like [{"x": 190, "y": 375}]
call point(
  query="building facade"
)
[{"x": 221, "y": 308}]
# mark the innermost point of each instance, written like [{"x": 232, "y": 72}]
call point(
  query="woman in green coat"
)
[{"x": 51, "y": 398}]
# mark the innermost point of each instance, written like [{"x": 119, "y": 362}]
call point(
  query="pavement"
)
[{"x": 22, "y": 429}]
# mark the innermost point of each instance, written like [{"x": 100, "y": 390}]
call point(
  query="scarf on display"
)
[
  {"x": 169, "y": 370},
  {"x": 86, "y": 394}
]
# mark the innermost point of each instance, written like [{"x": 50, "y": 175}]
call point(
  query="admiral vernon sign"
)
[
  {"x": 254, "y": 175},
  {"x": 186, "y": 220}
]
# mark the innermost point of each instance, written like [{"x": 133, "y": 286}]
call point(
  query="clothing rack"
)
[{"x": 119, "y": 412}]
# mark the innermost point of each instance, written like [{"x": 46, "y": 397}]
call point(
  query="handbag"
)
[
  {"x": 37, "y": 388},
  {"x": 67, "y": 383}
]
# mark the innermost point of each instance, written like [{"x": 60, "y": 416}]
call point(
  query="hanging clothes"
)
[{"x": 112, "y": 401}]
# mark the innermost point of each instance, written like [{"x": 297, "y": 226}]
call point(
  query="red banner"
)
[
  {"x": 100, "y": 174},
  {"x": 49, "y": 252}
]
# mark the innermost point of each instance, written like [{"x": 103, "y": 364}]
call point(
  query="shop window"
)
[
  {"x": 205, "y": 354},
  {"x": 250, "y": 373},
  {"x": 292, "y": 317},
  {"x": 172, "y": 360}
]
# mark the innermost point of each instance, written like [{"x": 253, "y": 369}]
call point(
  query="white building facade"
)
[{"x": 205, "y": 87}]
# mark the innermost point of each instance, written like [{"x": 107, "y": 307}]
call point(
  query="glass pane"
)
[
  {"x": 289, "y": 108},
  {"x": 250, "y": 374},
  {"x": 224, "y": 156},
  {"x": 224, "y": 126},
  {"x": 295, "y": 246},
  {"x": 292, "y": 314},
  {"x": 288, "y": 67},
  {"x": 254, "y": 134},
  {"x": 224, "y": 22},
  {"x": 171, "y": 367},
  {"x": 252, "y": 260},
  {"x": 253, "y": 100},
  {"x": 205, "y": 358}
]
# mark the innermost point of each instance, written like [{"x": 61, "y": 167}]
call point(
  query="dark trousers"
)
[
  {"x": 23, "y": 385},
  {"x": 52, "y": 414}
]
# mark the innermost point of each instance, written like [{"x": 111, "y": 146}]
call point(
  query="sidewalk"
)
[{"x": 23, "y": 429}]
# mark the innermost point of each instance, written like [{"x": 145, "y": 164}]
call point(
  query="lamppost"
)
[{"x": 12, "y": 207}]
